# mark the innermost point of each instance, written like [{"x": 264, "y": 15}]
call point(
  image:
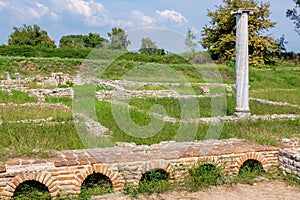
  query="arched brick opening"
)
[
  {"x": 32, "y": 189},
  {"x": 44, "y": 178},
  {"x": 115, "y": 178},
  {"x": 154, "y": 180},
  {"x": 158, "y": 164},
  {"x": 203, "y": 175},
  {"x": 155, "y": 174},
  {"x": 251, "y": 165},
  {"x": 97, "y": 181},
  {"x": 251, "y": 156},
  {"x": 208, "y": 160}
]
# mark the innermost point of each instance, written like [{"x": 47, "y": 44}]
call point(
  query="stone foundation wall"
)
[{"x": 290, "y": 161}]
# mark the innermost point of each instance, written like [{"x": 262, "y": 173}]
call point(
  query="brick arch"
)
[
  {"x": 208, "y": 160},
  {"x": 158, "y": 164},
  {"x": 41, "y": 177},
  {"x": 116, "y": 179},
  {"x": 251, "y": 156}
]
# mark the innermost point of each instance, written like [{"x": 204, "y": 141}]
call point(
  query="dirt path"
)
[{"x": 266, "y": 190}]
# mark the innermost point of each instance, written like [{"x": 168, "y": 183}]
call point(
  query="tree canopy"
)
[
  {"x": 294, "y": 15},
  {"x": 92, "y": 40},
  {"x": 30, "y": 35},
  {"x": 149, "y": 47},
  {"x": 190, "y": 40},
  {"x": 219, "y": 37},
  {"x": 118, "y": 39}
]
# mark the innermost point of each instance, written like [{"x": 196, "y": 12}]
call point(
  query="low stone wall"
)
[
  {"x": 41, "y": 94},
  {"x": 290, "y": 160}
]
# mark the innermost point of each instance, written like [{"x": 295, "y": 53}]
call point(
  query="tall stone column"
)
[{"x": 242, "y": 66}]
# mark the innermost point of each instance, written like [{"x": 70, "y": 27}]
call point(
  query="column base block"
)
[{"x": 242, "y": 114}]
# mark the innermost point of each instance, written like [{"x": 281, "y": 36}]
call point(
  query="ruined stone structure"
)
[
  {"x": 65, "y": 172},
  {"x": 290, "y": 160}
]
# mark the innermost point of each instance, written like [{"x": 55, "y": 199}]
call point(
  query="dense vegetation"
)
[{"x": 219, "y": 37}]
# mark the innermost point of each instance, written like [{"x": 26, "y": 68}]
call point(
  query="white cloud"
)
[
  {"x": 32, "y": 13},
  {"x": 3, "y": 4},
  {"x": 41, "y": 9},
  {"x": 81, "y": 7},
  {"x": 172, "y": 16},
  {"x": 26, "y": 13},
  {"x": 143, "y": 19},
  {"x": 54, "y": 16},
  {"x": 93, "y": 13},
  {"x": 103, "y": 20},
  {"x": 121, "y": 23}
]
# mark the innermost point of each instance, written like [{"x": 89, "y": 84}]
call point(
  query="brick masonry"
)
[{"x": 65, "y": 172}]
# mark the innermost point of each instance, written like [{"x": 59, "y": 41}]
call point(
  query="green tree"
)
[
  {"x": 294, "y": 15},
  {"x": 30, "y": 35},
  {"x": 118, "y": 39},
  {"x": 219, "y": 37},
  {"x": 92, "y": 40},
  {"x": 72, "y": 41},
  {"x": 190, "y": 40},
  {"x": 149, "y": 47}
]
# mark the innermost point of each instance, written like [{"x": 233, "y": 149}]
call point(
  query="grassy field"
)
[
  {"x": 266, "y": 83},
  {"x": 279, "y": 83}
]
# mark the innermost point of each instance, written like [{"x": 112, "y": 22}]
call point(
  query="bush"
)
[{"x": 204, "y": 176}]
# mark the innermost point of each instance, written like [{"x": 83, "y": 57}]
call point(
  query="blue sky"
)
[{"x": 65, "y": 17}]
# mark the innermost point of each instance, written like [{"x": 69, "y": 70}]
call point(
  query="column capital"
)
[{"x": 240, "y": 11}]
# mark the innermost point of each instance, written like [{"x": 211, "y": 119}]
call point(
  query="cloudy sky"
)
[{"x": 65, "y": 17}]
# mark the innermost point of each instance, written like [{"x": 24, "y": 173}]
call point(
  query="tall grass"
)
[
  {"x": 290, "y": 95},
  {"x": 16, "y": 97},
  {"x": 35, "y": 112},
  {"x": 33, "y": 139}
]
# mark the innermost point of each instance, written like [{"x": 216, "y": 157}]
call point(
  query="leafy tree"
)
[
  {"x": 118, "y": 39},
  {"x": 149, "y": 47},
  {"x": 219, "y": 37},
  {"x": 30, "y": 35},
  {"x": 92, "y": 40},
  {"x": 282, "y": 42},
  {"x": 73, "y": 41},
  {"x": 190, "y": 40},
  {"x": 294, "y": 15}
]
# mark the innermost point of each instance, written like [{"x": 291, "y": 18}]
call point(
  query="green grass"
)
[
  {"x": 16, "y": 97},
  {"x": 262, "y": 131},
  {"x": 32, "y": 66},
  {"x": 34, "y": 112},
  {"x": 249, "y": 171},
  {"x": 22, "y": 139},
  {"x": 204, "y": 176},
  {"x": 278, "y": 77},
  {"x": 95, "y": 184},
  {"x": 209, "y": 107},
  {"x": 31, "y": 190},
  {"x": 280, "y": 83},
  {"x": 291, "y": 96},
  {"x": 64, "y": 100},
  {"x": 30, "y": 136}
]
